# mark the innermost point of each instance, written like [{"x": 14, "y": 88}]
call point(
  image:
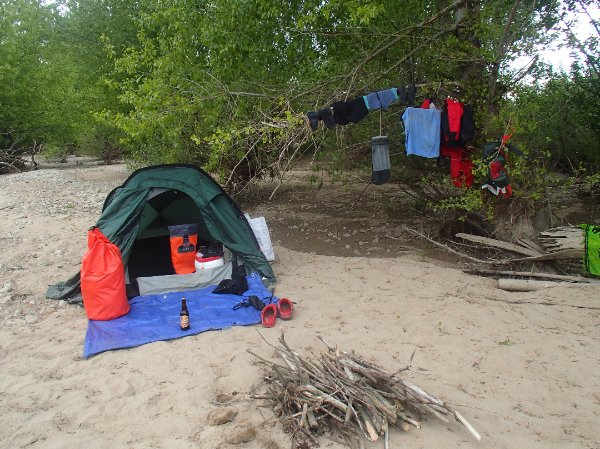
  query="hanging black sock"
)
[
  {"x": 402, "y": 97},
  {"x": 313, "y": 119},
  {"x": 327, "y": 117},
  {"x": 411, "y": 91}
]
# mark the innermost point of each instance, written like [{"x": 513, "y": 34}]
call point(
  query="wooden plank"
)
[
  {"x": 562, "y": 238},
  {"x": 498, "y": 244},
  {"x": 531, "y": 245}
]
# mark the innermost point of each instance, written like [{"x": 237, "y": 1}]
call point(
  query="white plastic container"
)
[{"x": 202, "y": 264}]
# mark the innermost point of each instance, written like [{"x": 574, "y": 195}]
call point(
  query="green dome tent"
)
[{"x": 136, "y": 216}]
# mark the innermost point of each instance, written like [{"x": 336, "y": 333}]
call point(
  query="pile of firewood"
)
[{"x": 346, "y": 397}]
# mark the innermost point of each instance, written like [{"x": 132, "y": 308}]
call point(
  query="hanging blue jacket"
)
[{"x": 422, "y": 131}]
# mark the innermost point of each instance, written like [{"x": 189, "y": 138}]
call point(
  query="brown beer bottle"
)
[{"x": 184, "y": 316}]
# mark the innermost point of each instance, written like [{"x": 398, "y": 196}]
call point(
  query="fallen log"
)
[{"x": 530, "y": 285}]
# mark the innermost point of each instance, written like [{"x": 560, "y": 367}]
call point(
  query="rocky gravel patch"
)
[{"x": 35, "y": 209}]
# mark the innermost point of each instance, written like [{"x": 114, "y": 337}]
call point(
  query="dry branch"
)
[{"x": 453, "y": 251}]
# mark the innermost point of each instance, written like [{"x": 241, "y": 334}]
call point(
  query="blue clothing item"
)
[
  {"x": 381, "y": 99},
  {"x": 387, "y": 97},
  {"x": 372, "y": 101},
  {"x": 156, "y": 317},
  {"x": 422, "y": 130}
]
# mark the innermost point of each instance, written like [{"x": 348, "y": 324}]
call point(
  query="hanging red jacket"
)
[{"x": 451, "y": 118}]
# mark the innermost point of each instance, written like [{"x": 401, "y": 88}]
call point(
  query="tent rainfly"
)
[{"x": 136, "y": 216}]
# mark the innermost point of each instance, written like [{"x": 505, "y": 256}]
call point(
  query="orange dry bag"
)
[
  {"x": 103, "y": 279},
  {"x": 184, "y": 240}
]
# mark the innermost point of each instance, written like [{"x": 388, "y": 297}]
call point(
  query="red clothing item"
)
[
  {"x": 455, "y": 112},
  {"x": 461, "y": 167},
  {"x": 465, "y": 177}
]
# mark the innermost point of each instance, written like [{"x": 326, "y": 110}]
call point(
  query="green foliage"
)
[
  {"x": 56, "y": 153},
  {"x": 593, "y": 180},
  {"x": 559, "y": 121},
  {"x": 225, "y": 83},
  {"x": 103, "y": 142},
  {"x": 52, "y": 60},
  {"x": 28, "y": 95},
  {"x": 469, "y": 201}
]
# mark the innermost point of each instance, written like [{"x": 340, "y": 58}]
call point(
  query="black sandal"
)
[{"x": 253, "y": 301}]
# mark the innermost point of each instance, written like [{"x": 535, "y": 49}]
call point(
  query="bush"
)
[{"x": 103, "y": 143}]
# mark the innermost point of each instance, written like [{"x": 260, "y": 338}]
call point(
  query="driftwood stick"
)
[
  {"x": 287, "y": 361},
  {"x": 374, "y": 414},
  {"x": 334, "y": 416},
  {"x": 330, "y": 346},
  {"x": 435, "y": 413},
  {"x": 324, "y": 396},
  {"x": 405, "y": 427},
  {"x": 358, "y": 420},
  {"x": 386, "y": 435},
  {"x": 312, "y": 421},
  {"x": 360, "y": 194},
  {"x": 265, "y": 361},
  {"x": 469, "y": 427},
  {"x": 303, "y": 375},
  {"x": 304, "y": 412},
  {"x": 426, "y": 397},
  {"x": 409, "y": 420},
  {"x": 370, "y": 428},
  {"x": 349, "y": 411}
]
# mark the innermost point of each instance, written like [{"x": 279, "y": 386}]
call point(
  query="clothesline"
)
[
  {"x": 433, "y": 130},
  {"x": 353, "y": 111}
]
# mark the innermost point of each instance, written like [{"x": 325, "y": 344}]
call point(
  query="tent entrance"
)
[
  {"x": 151, "y": 252},
  {"x": 150, "y": 257}
]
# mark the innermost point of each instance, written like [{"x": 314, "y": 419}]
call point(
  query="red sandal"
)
[
  {"x": 268, "y": 315},
  {"x": 285, "y": 308}
]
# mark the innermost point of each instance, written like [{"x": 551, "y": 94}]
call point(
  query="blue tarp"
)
[{"x": 156, "y": 317}]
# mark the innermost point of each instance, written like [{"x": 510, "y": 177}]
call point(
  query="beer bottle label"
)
[{"x": 184, "y": 321}]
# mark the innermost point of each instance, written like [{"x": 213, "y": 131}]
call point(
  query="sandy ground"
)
[{"x": 522, "y": 367}]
